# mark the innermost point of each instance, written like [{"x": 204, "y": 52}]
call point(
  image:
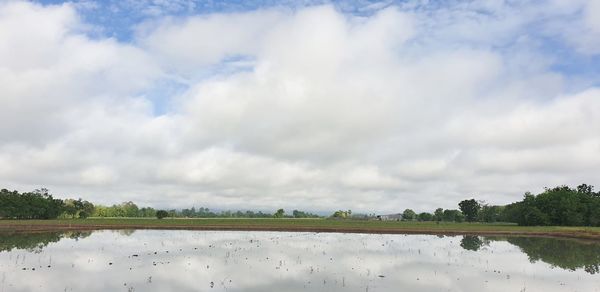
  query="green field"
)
[{"x": 316, "y": 225}]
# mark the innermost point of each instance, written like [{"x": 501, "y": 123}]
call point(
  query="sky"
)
[{"x": 310, "y": 105}]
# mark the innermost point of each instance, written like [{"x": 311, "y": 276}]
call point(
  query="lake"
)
[{"x": 165, "y": 260}]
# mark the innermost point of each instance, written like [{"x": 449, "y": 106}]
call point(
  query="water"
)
[{"x": 152, "y": 260}]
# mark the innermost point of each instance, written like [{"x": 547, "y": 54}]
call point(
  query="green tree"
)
[
  {"x": 490, "y": 214},
  {"x": 450, "y": 215},
  {"x": 71, "y": 207},
  {"x": 279, "y": 214},
  {"x": 438, "y": 215},
  {"x": 425, "y": 216},
  {"x": 409, "y": 215},
  {"x": 341, "y": 214},
  {"x": 160, "y": 214},
  {"x": 470, "y": 209}
]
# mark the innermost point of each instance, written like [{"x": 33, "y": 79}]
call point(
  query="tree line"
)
[
  {"x": 31, "y": 205},
  {"x": 558, "y": 206},
  {"x": 39, "y": 204}
]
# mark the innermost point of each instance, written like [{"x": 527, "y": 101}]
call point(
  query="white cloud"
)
[{"x": 308, "y": 108}]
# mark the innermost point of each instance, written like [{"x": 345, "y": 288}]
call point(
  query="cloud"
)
[{"x": 304, "y": 107}]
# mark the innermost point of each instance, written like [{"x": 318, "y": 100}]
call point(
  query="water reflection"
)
[
  {"x": 471, "y": 242},
  {"x": 151, "y": 260},
  {"x": 35, "y": 242},
  {"x": 562, "y": 253}
]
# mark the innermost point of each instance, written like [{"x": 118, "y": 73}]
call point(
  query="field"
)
[{"x": 306, "y": 225}]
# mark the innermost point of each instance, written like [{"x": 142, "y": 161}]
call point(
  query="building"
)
[{"x": 390, "y": 217}]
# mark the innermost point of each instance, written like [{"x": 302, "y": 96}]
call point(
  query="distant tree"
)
[
  {"x": 86, "y": 207},
  {"x": 38, "y": 204},
  {"x": 470, "y": 208},
  {"x": 438, "y": 215},
  {"x": 302, "y": 214},
  {"x": 585, "y": 189},
  {"x": 409, "y": 215},
  {"x": 172, "y": 213},
  {"x": 279, "y": 214},
  {"x": 341, "y": 214},
  {"x": 529, "y": 214},
  {"x": 459, "y": 216},
  {"x": 83, "y": 214},
  {"x": 147, "y": 212},
  {"x": 452, "y": 215},
  {"x": 71, "y": 207},
  {"x": 425, "y": 216},
  {"x": 160, "y": 214},
  {"x": 490, "y": 214},
  {"x": 129, "y": 209},
  {"x": 510, "y": 213}
]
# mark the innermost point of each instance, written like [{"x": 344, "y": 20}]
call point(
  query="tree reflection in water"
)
[
  {"x": 566, "y": 254},
  {"x": 37, "y": 241},
  {"x": 472, "y": 242}
]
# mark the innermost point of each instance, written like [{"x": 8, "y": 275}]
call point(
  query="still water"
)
[{"x": 153, "y": 260}]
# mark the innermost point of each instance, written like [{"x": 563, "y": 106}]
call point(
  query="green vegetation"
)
[
  {"x": 559, "y": 206},
  {"x": 470, "y": 208},
  {"x": 39, "y": 204},
  {"x": 160, "y": 214},
  {"x": 409, "y": 215},
  {"x": 279, "y": 214},
  {"x": 33, "y": 205},
  {"x": 425, "y": 216},
  {"x": 341, "y": 214},
  {"x": 562, "y": 206}
]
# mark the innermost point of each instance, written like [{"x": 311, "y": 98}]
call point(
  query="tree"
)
[
  {"x": 452, "y": 216},
  {"x": 87, "y": 208},
  {"x": 71, "y": 207},
  {"x": 585, "y": 189},
  {"x": 279, "y": 214},
  {"x": 490, "y": 214},
  {"x": 302, "y": 214},
  {"x": 438, "y": 215},
  {"x": 469, "y": 208},
  {"x": 33, "y": 205},
  {"x": 409, "y": 215},
  {"x": 160, "y": 214},
  {"x": 425, "y": 216},
  {"x": 341, "y": 214},
  {"x": 129, "y": 209},
  {"x": 83, "y": 214}
]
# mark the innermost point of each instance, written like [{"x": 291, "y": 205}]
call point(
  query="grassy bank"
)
[{"x": 308, "y": 225}]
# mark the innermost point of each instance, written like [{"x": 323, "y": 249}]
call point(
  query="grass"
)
[{"x": 309, "y": 225}]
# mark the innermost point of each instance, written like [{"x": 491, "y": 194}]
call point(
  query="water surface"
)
[{"x": 152, "y": 260}]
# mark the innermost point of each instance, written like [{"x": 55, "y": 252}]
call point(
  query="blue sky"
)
[
  {"x": 312, "y": 105},
  {"x": 119, "y": 19}
]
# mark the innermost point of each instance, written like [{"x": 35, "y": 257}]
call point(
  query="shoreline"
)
[{"x": 450, "y": 230}]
